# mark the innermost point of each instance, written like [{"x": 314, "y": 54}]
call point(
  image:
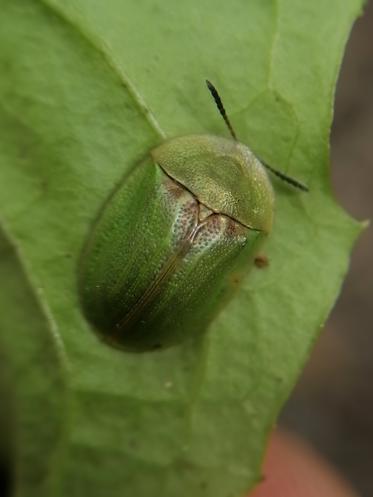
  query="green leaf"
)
[{"x": 86, "y": 88}]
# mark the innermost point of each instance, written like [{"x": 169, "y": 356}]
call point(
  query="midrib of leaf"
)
[
  {"x": 104, "y": 51},
  {"x": 273, "y": 45}
]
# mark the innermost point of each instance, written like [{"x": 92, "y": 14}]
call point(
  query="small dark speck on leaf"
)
[{"x": 261, "y": 261}]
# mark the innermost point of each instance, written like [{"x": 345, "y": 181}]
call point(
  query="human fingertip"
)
[{"x": 292, "y": 469}]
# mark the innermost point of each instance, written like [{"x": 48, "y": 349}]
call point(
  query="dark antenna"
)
[
  {"x": 287, "y": 179},
  {"x": 219, "y": 104}
]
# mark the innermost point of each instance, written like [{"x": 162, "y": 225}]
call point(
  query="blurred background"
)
[{"x": 332, "y": 405}]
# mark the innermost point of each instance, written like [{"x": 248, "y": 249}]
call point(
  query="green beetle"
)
[{"x": 162, "y": 257}]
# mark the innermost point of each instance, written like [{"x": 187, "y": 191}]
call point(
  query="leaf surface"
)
[{"x": 88, "y": 88}]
